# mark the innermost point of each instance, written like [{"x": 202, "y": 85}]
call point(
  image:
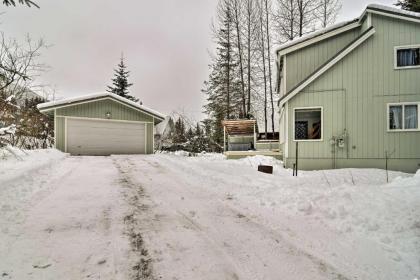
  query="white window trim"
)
[
  {"x": 396, "y": 67},
  {"x": 322, "y": 123},
  {"x": 403, "y": 117}
]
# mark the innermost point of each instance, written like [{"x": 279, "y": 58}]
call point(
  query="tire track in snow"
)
[
  {"x": 223, "y": 263},
  {"x": 253, "y": 261},
  {"x": 134, "y": 195}
]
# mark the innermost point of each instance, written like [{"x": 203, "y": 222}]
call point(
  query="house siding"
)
[
  {"x": 364, "y": 81},
  {"x": 97, "y": 110},
  {"x": 300, "y": 64},
  {"x": 60, "y": 132}
]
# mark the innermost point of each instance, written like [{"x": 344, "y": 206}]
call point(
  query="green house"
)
[
  {"x": 350, "y": 94},
  {"x": 102, "y": 124}
]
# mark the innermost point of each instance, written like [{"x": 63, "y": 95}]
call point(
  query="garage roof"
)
[{"x": 48, "y": 106}]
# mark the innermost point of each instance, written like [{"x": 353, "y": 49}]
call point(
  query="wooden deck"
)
[{"x": 242, "y": 154}]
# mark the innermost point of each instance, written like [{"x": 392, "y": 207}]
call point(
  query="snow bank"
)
[
  {"x": 343, "y": 215},
  {"x": 26, "y": 163}
]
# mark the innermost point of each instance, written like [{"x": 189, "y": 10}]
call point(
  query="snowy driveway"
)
[{"x": 174, "y": 217}]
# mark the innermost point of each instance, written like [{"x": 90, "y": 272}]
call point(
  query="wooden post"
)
[
  {"x": 255, "y": 137},
  {"x": 224, "y": 138},
  {"x": 297, "y": 155}
]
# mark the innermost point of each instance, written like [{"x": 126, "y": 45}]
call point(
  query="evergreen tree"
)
[
  {"x": 190, "y": 134},
  {"x": 120, "y": 82},
  {"x": 179, "y": 133},
  {"x": 409, "y": 5},
  {"x": 198, "y": 131}
]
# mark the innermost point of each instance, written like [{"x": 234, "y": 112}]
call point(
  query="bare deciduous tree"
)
[
  {"x": 327, "y": 11},
  {"x": 285, "y": 18},
  {"x": 306, "y": 16},
  {"x": 237, "y": 19},
  {"x": 19, "y": 65},
  {"x": 28, "y": 3}
]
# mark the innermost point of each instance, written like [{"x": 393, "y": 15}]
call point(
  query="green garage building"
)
[{"x": 102, "y": 124}]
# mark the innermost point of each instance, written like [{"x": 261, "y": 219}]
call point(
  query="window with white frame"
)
[
  {"x": 308, "y": 124},
  {"x": 403, "y": 116},
  {"x": 407, "y": 57}
]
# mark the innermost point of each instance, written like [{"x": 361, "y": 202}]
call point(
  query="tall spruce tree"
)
[
  {"x": 409, "y": 5},
  {"x": 120, "y": 82},
  {"x": 223, "y": 87}
]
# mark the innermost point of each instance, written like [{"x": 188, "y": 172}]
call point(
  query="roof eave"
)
[
  {"x": 331, "y": 33},
  {"x": 391, "y": 14},
  {"x": 53, "y": 107}
]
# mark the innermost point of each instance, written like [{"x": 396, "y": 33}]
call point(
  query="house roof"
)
[
  {"x": 393, "y": 11},
  {"x": 48, "y": 106},
  {"x": 347, "y": 25},
  {"x": 318, "y": 33}
]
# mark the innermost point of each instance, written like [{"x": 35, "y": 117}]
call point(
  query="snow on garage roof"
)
[{"x": 67, "y": 101}]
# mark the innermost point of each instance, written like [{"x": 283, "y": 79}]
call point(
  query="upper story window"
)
[
  {"x": 403, "y": 116},
  {"x": 407, "y": 57}
]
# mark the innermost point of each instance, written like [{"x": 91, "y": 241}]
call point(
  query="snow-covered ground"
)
[{"x": 169, "y": 216}]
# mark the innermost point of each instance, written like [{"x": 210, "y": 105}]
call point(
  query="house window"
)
[
  {"x": 407, "y": 57},
  {"x": 308, "y": 124},
  {"x": 403, "y": 116}
]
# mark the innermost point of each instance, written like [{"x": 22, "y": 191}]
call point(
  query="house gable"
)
[
  {"x": 98, "y": 108},
  {"x": 302, "y": 62}
]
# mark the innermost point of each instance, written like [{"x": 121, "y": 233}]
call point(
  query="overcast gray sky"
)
[{"x": 165, "y": 43}]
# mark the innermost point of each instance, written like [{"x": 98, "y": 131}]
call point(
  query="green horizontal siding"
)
[{"x": 98, "y": 109}]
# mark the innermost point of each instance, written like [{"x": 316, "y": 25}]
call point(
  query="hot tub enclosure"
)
[{"x": 102, "y": 124}]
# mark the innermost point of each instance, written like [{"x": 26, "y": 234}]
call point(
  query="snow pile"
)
[
  {"x": 255, "y": 161},
  {"x": 208, "y": 156},
  {"x": 26, "y": 163},
  {"x": 8, "y": 130},
  {"x": 344, "y": 215},
  {"x": 407, "y": 182}
]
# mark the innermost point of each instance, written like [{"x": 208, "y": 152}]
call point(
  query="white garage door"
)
[{"x": 101, "y": 138}]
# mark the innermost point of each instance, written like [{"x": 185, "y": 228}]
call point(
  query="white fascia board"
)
[
  {"x": 327, "y": 66},
  {"x": 394, "y": 16},
  {"x": 319, "y": 38}
]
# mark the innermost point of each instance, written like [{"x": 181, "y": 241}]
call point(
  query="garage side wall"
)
[
  {"x": 149, "y": 140},
  {"x": 59, "y": 137}
]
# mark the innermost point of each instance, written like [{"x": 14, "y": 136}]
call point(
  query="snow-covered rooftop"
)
[
  {"x": 315, "y": 34},
  {"x": 76, "y": 99},
  {"x": 384, "y": 8},
  {"x": 393, "y": 10}
]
